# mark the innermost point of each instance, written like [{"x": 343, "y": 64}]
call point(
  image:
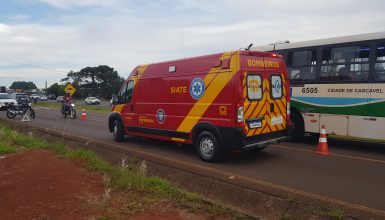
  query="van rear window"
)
[{"x": 254, "y": 87}]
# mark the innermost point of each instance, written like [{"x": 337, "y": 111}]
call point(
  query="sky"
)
[{"x": 42, "y": 40}]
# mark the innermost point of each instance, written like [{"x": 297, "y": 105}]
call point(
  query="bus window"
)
[
  {"x": 345, "y": 63},
  {"x": 301, "y": 65},
  {"x": 379, "y": 67}
]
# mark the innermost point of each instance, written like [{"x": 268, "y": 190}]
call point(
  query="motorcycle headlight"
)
[{"x": 73, "y": 105}]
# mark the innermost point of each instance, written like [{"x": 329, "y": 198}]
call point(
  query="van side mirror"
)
[{"x": 115, "y": 99}]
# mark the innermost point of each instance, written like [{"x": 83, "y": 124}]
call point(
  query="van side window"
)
[
  {"x": 254, "y": 87},
  {"x": 125, "y": 93}
]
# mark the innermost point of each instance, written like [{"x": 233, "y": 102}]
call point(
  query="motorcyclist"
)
[{"x": 67, "y": 101}]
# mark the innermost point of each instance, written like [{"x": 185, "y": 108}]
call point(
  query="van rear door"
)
[{"x": 265, "y": 102}]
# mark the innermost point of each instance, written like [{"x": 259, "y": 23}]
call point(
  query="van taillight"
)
[
  {"x": 240, "y": 116},
  {"x": 288, "y": 121}
]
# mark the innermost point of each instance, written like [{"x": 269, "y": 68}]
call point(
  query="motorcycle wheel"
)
[
  {"x": 73, "y": 113},
  {"x": 10, "y": 115},
  {"x": 32, "y": 113}
]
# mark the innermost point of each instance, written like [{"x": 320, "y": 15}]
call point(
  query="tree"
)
[
  {"x": 100, "y": 81},
  {"x": 23, "y": 85},
  {"x": 56, "y": 89},
  {"x": 109, "y": 81}
]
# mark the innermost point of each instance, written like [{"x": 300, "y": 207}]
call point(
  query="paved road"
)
[{"x": 355, "y": 172}]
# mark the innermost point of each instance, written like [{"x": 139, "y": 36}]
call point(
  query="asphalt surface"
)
[{"x": 353, "y": 173}]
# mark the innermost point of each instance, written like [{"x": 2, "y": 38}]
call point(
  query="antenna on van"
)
[{"x": 248, "y": 48}]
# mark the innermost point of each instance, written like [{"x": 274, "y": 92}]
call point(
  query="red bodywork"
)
[{"x": 175, "y": 100}]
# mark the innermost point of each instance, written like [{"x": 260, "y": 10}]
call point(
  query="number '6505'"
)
[{"x": 309, "y": 90}]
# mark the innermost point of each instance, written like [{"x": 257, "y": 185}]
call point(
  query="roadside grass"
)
[
  {"x": 5, "y": 148},
  {"x": 88, "y": 108},
  {"x": 126, "y": 178},
  {"x": 336, "y": 213}
]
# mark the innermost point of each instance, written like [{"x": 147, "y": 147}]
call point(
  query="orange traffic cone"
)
[
  {"x": 84, "y": 115},
  {"x": 322, "y": 147}
]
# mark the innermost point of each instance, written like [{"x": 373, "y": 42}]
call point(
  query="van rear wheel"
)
[
  {"x": 208, "y": 147},
  {"x": 118, "y": 131}
]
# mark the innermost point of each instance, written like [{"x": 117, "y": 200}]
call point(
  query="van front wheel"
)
[
  {"x": 208, "y": 147},
  {"x": 118, "y": 131}
]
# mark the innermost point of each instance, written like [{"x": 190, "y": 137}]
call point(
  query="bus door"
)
[{"x": 376, "y": 118}]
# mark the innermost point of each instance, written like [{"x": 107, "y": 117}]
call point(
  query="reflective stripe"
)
[
  {"x": 216, "y": 86},
  {"x": 323, "y": 140},
  {"x": 118, "y": 108}
]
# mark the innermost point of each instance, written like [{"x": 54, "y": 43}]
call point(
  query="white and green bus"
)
[{"x": 337, "y": 82}]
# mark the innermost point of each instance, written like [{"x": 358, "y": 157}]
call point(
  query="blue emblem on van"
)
[
  {"x": 197, "y": 88},
  {"x": 160, "y": 116},
  {"x": 277, "y": 86}
]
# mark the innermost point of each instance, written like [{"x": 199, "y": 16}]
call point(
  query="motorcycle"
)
[
  {"x": 69, "y": 109},
  {"x": 21, "y": 109}
]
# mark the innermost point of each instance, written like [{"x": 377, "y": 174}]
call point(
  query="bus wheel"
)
[
  {"x": 118, "y": 131},
  {"x": 297, "y": 131},
  {"x": 207, "y": 147}
]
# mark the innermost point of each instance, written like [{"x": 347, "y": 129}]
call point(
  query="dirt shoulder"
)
[{"x": 39, "y": 185}]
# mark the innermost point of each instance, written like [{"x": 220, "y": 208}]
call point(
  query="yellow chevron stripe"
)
[
  {"x": 118, "y": 108},
  {"x": 141, "y": 69},
  {"x": 216, "y": 86}
]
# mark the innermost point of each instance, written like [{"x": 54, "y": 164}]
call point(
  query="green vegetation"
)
[
  {"x": 100, "y": 81},
  {"x": 23, "y": 85},
  {"x": 125, "y": 178},
  {"x": 88, "y": 108},
  {"x": 5, "y": 148},
  {"x": 336, "y": 213}
]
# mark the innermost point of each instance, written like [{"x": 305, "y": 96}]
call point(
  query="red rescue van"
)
[{"x": 230, "y": 101}]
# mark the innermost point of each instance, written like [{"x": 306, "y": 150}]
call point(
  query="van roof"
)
[{"x": 198, "y": 63}]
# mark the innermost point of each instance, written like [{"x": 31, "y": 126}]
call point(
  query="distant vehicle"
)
[
  {"x": 59, "y": 99},
  {"x": 20, "y": 97},
  {"x": 43, "y": 98},
  {"x": 5, "y": 99},
  {"x": 92, "y": 101},
  {"x": 51, "y": 97},
  {"x": 337, "y": 82},
  {"x": 34, "y": 97},
  {"x": 233, "y": 101}
]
